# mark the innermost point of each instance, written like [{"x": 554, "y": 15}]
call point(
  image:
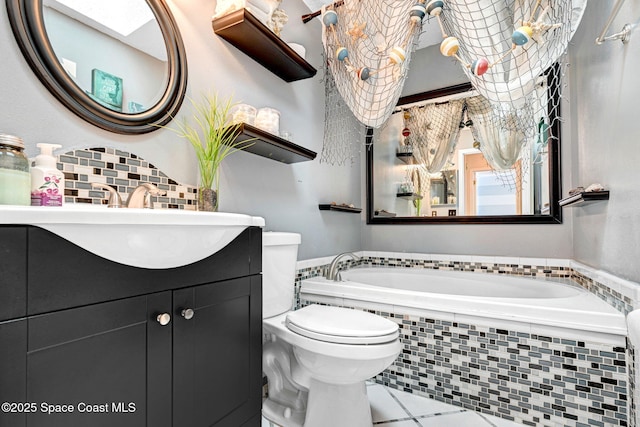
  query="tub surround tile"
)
[
  {"x": 421, "y": 257},
  {"x": 510, "y": 373},
  {"x": 621, "y": 294},
  {"x": 536, "y": 375},
  {"x": 400, "y": 311},
  {"x": 539, "y": 262},
  {"x": 365, "y": 305},
  {"x": 491, "y": 322},
  {"x": 610, "y": 339},
  {"x": 483, "y": 259},
  {"x": 552, "y": 377}
]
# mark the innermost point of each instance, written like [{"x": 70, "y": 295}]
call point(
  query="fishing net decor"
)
[
  {"x": 368, "y": 45},
  {"x": 432, "y": 131},
  {"x": 343, "y": 133},
  {"x": 505, "y": 45},
  {"x": 510, "y": 139}
]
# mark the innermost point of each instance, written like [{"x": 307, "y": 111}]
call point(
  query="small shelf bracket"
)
[{"x": 624, "y": 36}]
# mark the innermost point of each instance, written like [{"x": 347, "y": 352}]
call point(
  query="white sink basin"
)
[{"x": 147, "y": 238}]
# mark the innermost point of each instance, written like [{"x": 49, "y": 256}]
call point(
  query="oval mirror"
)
[{"x": 118, "y": 64}]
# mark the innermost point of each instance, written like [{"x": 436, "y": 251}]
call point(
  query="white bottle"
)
[{"x": 47, "y": 182}]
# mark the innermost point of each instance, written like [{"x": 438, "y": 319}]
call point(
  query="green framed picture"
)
[{"x": 107, "y": 89}]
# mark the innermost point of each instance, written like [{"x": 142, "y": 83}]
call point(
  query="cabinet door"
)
[
  {"x": 218, "y": 353},
  {"x": 13, "y": 371},
  {"x": 97, "y": 363},
  {"x": 13, "y": 272}
]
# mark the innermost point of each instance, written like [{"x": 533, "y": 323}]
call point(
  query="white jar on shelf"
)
[{"x": 268, "y": 119}]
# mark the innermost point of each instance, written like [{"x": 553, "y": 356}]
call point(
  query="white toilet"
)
[{"x": 317, "y": 358}]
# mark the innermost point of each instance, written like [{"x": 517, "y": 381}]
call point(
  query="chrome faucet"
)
[
  {"x": 332, "y": 273},
  {"x": 140, "y": 197}
]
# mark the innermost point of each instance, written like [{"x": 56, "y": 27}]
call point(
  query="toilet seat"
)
[{"x": 341, "y": 325}]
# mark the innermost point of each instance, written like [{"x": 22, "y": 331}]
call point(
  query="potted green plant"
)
[{"x": 213, "y": 138}]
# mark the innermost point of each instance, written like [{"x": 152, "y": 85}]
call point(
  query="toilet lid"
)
[{"x": 341, "y": 325}]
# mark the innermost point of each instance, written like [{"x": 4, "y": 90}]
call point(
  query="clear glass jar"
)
[
  {"x": 243, "y": 113},
  {"x": 15, "y": 180}
]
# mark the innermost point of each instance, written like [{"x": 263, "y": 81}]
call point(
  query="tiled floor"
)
[{"x": 393, "y": 408}]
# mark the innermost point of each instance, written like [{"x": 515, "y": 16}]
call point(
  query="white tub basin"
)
[{"x": 147, "y": 238}]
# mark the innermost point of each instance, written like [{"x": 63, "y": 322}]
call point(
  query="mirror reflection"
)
[
  {"x": 449, "y": 155},
  {"x": 114, "y": 51}
]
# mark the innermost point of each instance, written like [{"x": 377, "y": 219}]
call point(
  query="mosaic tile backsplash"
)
[
  {"x": 124, "y": 172},
  {"x": 532, "y": 379}
]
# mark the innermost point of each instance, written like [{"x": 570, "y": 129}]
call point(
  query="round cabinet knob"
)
[
  {"x": 187, "y": 313},
  {"x": 164, "y": 319}
]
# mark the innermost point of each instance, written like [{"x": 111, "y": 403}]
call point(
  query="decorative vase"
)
[{"x": 207, "y": 199}]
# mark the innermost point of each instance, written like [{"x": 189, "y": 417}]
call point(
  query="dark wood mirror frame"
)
[
  {"x": 555, "y": 184},
  {"x": 27, "y": 23}
]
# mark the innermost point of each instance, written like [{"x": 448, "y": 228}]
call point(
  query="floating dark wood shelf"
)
[
  {"x": 406, "y": 157},
  {"x": 583, "y": 198},
  {"x": 338, "y": 208},
  {"x": 384, "y": 214},
  {"x": 273, "y": 147},
  {"x": 247, "y": 33},
  {"x": 409, "y": 196}
]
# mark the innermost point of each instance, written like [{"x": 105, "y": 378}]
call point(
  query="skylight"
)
[{"x": 122, "y": 16}]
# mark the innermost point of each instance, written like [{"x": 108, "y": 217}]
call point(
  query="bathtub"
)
[{"x": 460, "y": 296}]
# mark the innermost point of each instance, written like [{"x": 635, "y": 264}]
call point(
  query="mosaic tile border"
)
[
  {"x": 566, "y": 271},
  {"x": 616, "y": 299},
  {"x": 124, "y": 172}
]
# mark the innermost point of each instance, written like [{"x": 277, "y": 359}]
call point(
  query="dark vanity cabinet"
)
[{"x": 89, "y": 342}]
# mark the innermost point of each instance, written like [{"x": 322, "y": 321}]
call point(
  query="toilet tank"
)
[{"x": 279, "y": 257}]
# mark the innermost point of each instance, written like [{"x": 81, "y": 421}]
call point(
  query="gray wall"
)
[
  {"x": 600, "y": 144},
  {"x": 604, "y": 121},
  {"x": 287, "y": 196},
  {"x": 429, "y": 71}
]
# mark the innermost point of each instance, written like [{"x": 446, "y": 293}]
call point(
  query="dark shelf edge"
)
[
  {"x": 252, "y": 37},
  {"x": 406, "y": 157},
  {"x": 338, "y": 208},
  {"x": 584, "y": 197},
  {"x": 409, "y": 196},
  {"x": 271, "y": 146},
  {"x": 379, "y": 214}
]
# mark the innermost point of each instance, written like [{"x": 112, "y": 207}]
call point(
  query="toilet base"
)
[
  {"x": 343, "y": 405},
  {"x": 282, "y": 415}
]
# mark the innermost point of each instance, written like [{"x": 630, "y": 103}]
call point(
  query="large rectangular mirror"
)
[{"x": 426, "y": 164}]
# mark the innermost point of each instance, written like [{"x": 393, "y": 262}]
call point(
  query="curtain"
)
[
  {"x": 502, "y": 130},
  {"x": 435, "y": 129}
]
